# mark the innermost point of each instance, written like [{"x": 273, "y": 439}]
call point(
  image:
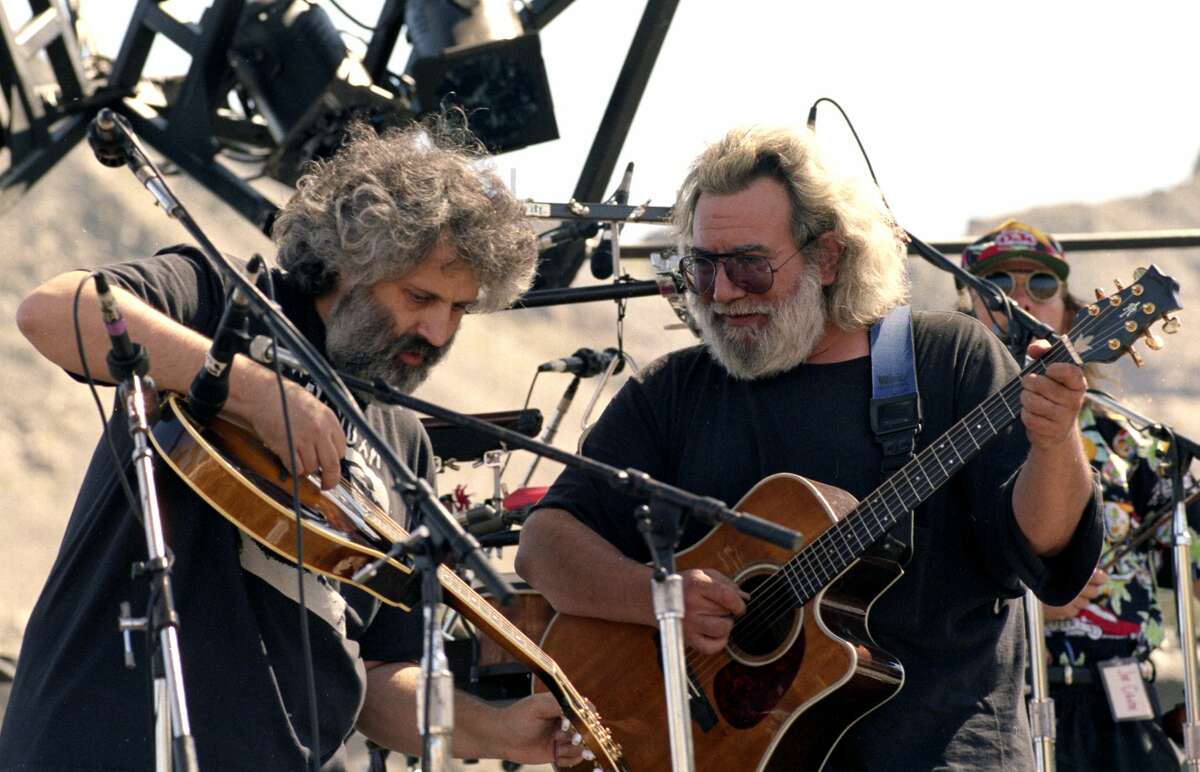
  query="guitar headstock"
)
[{"x": 1108, "y": 328}]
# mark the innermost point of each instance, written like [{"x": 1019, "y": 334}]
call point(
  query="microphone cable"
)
[
  {"x": 812, "y": 126},
  {"x": 310, "y": 679}
]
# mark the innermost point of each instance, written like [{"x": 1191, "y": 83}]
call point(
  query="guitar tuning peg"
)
[
  {"x": 1139, "y": 272},
  {"x": 1153, "y": 342},
  {"x": 1136, "y": 357},
  {"x": 1099, "y": 294},
  {"x": 1118, "y": 283},
  {"x": 1171, "y": 325}
]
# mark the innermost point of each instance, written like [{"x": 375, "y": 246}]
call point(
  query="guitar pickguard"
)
[{"x": 746, "y": 694}]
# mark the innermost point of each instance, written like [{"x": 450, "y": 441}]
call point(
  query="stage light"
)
[
  {"x": 294, "y": 72},
  {"x": 478, "y": 56}
]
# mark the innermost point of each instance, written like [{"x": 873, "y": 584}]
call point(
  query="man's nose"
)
[
  {"x": 724, "y": 290},
  {"x": 438, "y": 326}
]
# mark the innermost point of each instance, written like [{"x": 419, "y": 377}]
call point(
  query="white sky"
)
[{"x": 966, "y": 108}]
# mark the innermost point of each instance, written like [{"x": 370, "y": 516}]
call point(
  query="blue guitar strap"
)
[{"x": 895, "y": 411}]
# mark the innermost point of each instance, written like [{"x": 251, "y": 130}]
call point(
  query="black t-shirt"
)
[
  {"x": 950, "y": 619},
  {"x": 74, "y": 704}
]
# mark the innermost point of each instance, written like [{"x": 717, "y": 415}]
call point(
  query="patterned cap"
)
[{"x": 1013, "y": 240}]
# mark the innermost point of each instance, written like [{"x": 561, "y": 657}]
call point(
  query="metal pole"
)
[
  {"x": 1187, "y": 630},
  {"x": 171, "y": 714},
  {"x": 1041, "y": 706}
]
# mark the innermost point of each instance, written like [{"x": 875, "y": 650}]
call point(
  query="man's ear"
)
[{"x": 828, "y": 256}]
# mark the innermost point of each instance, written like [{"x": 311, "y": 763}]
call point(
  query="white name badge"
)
[{"x": 1127, "y": 695}]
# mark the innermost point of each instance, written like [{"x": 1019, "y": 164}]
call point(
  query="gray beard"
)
[
  {"x": 359, "y": 341},
  {"x": 794, "y": 327}
]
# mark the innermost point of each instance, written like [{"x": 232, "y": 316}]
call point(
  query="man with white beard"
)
[{"x": 788, "y": 270}]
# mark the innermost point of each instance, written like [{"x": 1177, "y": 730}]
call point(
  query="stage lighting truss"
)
[{"x": 271, "y": 86}]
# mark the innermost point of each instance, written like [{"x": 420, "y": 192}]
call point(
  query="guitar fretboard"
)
[
  {"x": 820, "y": 562},
  {"x": 492, "y": 620}
]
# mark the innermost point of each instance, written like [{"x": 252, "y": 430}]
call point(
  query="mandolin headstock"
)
[{"x": 1108, "y": 328}]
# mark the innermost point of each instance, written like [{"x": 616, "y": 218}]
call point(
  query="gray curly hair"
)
[
  {"x": 872, "y": 277},
  {"x": 374, "y": 211}
]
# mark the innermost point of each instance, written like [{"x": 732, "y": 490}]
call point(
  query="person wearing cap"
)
[{"x": 1117, "y": 615}]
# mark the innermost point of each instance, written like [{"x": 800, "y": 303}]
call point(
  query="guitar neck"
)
[
  {"x": 829, "y": 554},
  {"x": 487, "y": 618}
]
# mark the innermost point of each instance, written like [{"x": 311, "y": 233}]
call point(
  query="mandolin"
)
[
  {"x": 344, "y": 530},
  {"x": 801, "y": 666}
]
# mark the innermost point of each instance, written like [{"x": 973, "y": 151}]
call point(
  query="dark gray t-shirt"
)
[
  {"x": 73, "y": 703},
  {"x": 951, "y": 619}
]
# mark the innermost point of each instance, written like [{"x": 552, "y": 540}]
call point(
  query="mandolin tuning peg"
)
[
  {"x": 1118, "y": 283},
  {"x": 1136, "y": 357},
  {"x": 1171, "y": 325},
  {"x": 1099, "y": 294},
  {"x": 1153, "y": 342}
]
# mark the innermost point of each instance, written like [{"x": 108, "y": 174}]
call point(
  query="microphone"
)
[
  {"x": 568, "y": 231},
  {"x": 125, "y": 357},
  {"x": 106, "y": 138},
  {"x": 585, "y": 363},
  {"x": 812, "y": 116},
  {"x": 602, "y": 256},
  {"x": 210, "y": 387},
  {"x": 263, "y": 351},
  {"x": 620, "y": 196}
]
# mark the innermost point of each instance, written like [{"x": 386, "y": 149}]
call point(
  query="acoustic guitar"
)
[
  {"x": 801, "y": 666},
  {"x": 344, "y": 530}
]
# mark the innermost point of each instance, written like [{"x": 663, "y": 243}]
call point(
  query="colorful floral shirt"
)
[{"x": 1125, "y": 619}]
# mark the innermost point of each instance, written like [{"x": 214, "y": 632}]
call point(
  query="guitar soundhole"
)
[{"x": 768, "y": 624}]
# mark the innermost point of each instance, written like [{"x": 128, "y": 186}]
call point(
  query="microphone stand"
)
[
  {"x": 1181, "y": 454},
  {"x": 1022, "y": 326},
  {"x": 172, "y": 727},
  {"x": 668, "y": 503},
  {"x": 560, "y": 410},
  {"x": 416, "y": 492}
]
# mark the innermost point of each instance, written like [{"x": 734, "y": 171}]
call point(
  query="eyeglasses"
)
[
  {"x": 752, "y": 273},
  {"x": 1039, "y": 285}
]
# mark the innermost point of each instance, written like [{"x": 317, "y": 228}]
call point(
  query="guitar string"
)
[{"x": 780, "y": 594}]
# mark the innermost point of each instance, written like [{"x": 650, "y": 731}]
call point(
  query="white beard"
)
[{"x": 794, "y": 327}]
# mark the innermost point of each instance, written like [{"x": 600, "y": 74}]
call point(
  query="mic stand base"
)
[{"x": 661, "y": 532}]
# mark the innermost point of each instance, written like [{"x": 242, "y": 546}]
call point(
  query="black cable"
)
[
  {"x": 310, "y": 678},
  {"x": 353, "y": 20},
  {"x": 812, "y": 124}
]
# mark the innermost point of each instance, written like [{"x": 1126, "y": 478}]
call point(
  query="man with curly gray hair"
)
[
  {"x": 789, "y": 268},
  {"x": 383, "y": 248}
]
